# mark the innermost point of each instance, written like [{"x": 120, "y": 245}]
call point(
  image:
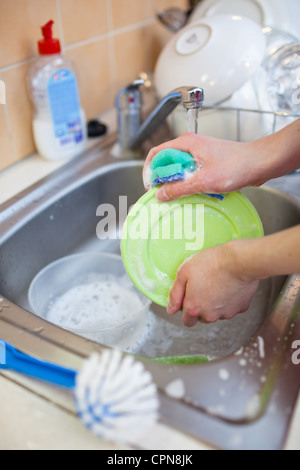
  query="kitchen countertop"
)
[{"x": 30, "y": 422}]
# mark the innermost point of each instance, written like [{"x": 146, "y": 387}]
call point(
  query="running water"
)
[{"x": 193, "y": 116}]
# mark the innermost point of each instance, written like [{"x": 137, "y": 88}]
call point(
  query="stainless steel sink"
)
[{"x": 243, "y": 398}]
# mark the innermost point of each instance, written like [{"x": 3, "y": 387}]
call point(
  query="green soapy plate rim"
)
[
  {"x": 152, "y": 262},
  {"x": 184, "y": 360},
  {"x": 181, "y": 360}
]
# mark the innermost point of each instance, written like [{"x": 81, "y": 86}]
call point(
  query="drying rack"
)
[{"x": 274, "y": 121}]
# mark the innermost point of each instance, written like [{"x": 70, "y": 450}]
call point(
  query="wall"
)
[{"x": 110, "y": 41}]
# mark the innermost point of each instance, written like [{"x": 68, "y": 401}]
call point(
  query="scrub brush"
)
[
  {"x": 171, "y": 165},
  {"x": 114, "y": 395}
]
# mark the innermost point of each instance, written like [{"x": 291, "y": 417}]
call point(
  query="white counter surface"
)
[{"x": 27, "y": 421}]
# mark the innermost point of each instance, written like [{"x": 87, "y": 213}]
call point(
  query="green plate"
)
[{"x": 158, "y": 236}]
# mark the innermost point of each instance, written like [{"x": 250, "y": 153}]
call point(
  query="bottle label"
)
[{"x": 65, "y": 108}]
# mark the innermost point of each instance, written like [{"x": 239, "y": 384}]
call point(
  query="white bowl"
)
[
  {"x": 218, "y": 54},
  {"x": 91, "y": 295},
  {"x": 263, "y": 12}
]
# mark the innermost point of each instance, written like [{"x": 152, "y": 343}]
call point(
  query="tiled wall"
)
[{"x": 110, "y": 41}]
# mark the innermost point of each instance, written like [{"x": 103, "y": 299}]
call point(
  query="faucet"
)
[{"x": 131, "y": 131}]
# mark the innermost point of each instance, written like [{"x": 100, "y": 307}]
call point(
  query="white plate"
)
[
  {"x": 219, "y": 54},
  {"x": 264, "y": 12}
]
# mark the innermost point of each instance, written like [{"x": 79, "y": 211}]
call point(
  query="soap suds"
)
[
  {"x": 103, "y": 308},
  {"x": 175, "y": 389},
  {"x": 253, "y": 406},
  {"x": 97, "y": 305},
  {"x": 261, "y": 347},
  {"x": 147, "y": 175},
  {"x": 224, "y": 374},
  {"x": 239, "y": 352}
]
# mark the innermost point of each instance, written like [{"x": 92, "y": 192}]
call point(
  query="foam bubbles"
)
[{"x": 97, "y": 305}]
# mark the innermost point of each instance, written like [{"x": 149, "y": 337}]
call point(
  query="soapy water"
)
[
  {"x": 161, "y": 338},
  {"x": 104, "y": 308},
  {"x": 115, "y": 315},
  {"x": 166, "y": 336},
  {"x": 101, "y": 304},
  {"x": 110, "y": 312},
  {"x": 102, "y": 301}
]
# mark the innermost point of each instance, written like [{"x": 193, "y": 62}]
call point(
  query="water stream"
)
[{"x": 193, "y": 116}]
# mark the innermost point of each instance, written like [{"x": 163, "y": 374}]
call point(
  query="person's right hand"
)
[
  {"x": 222, "y": 166},
  {"x": 211, "y": 285}
]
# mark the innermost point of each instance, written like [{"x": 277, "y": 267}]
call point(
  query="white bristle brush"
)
[{"x": 115, "y": 396}]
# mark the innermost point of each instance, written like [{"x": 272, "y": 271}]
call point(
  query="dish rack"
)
[{"x": 250, "y": 124}]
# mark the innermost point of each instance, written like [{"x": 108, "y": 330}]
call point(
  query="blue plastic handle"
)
[{"x": 13, "y": 359}]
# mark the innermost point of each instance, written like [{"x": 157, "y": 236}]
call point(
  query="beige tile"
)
[
  {"x": 20, "y": 22},
  {"x": 6, "y": 151},
  {"x": 133, "y": 54},
  {"x": 93, "y": 66},
  {"x": 83, "y": 19},
  {"x": 19, "y": 110},
  {"x": 129, "y": 12},
  {"x": 160, "y": 36}
]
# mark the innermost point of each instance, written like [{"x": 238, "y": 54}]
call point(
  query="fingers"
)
[
  {"x": 176, "y": 296},
  {"x": 176, "y": 301},
  {"x": 171, "y": 191},
  {"x": 150, "y": 156},
  {"x": 188, "y": 320}
]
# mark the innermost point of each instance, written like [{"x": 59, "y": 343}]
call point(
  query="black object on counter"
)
[{"x": 96, "y": 128}]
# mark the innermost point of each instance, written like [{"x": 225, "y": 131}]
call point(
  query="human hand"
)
[
  {"x": 222, "y": 166},
  {"x": 211, "y": 285}
]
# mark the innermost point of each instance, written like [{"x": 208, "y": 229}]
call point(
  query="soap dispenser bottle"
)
[{"x": 59, "y": 122}]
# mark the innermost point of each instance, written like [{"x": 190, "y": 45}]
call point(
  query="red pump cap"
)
[{"x": 48, "y": 45}]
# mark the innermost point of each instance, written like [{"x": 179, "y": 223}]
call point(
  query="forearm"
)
[
  {"x": 236, "y": 268},
  {"x": 278, "y": 153},
  {"x": 272, "y": 255},
  {"x": 225, "y": 166}
]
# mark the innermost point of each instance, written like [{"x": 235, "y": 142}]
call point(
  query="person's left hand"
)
[{"x": 210, "y": 286}]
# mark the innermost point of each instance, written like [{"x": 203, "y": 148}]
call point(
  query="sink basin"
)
[{"x": 244, "y": 397}]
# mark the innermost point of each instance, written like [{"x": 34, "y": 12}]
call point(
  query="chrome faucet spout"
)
[
  {"x": 190, "y": 97},
  {"x": 133, "y": 134}
]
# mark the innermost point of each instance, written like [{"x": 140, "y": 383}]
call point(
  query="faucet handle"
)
[
  {"x": 135, "y": 84},
  {"x": 192, "y": 97},
  {"x": 129, "y": 96},
  {"x": 129, "y": 105}
]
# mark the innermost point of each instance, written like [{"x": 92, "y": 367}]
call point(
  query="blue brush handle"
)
[{"x": 11, "y": 358}]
